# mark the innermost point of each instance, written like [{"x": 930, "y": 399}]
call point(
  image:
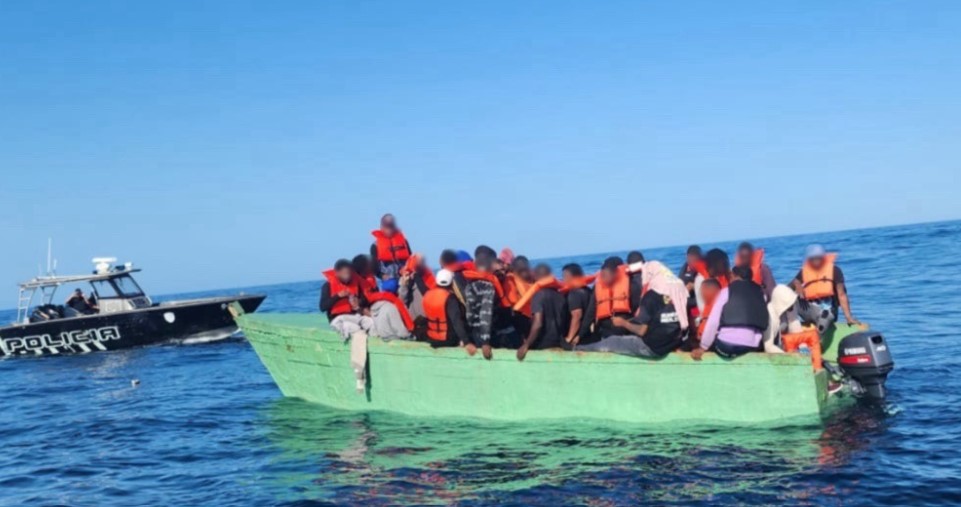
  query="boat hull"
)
[
  {"x": 201, "y": 319},
  {"x": 307, "y": 360}
]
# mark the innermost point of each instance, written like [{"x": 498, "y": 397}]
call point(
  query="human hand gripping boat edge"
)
[
  {"x": 307, "y": 360},
  {"x": 127, "y": 317}
]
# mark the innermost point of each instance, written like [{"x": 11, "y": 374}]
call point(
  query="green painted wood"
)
[
  {"x": 832, "y": 338},
  {"x": 307, "y": 360}
]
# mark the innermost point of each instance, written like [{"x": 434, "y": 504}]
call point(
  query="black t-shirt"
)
[
  {"x": 579, "y": 299},
  {"x": 553, "y": 306},
  {"x": 663, "y": 327},
  {"x": 838, "y": 277}
]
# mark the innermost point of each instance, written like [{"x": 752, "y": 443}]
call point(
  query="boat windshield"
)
[
  {"x": 127, "y": 287},
  {"x": 119, "y": 287}
]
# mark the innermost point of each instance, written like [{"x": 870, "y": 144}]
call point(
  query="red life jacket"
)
[
  {"x": 392, "y": 298},
  {"x": 435, "y": 310},
  {"x": 489, "y": 277},
  {"x": 342, "y": 306},
  {"x": 413, "y": 267},
  {"x": 393, "y": 249},
  {"x": 615, "y": 299},
  {"x": 757, "y": 259},
  {"x": 700, "y": 268},
  {"x": 706, "y": 314}
]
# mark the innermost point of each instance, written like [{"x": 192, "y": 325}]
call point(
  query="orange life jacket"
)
[
  {"x": 525, "y": 300},
  {"x": 706, "y": 314},
  {"x": 342, "y": 306},
  {"x": 615, "y": 299},
  {"x": 809, "y": 337},
  {"x": 393, "y": 249},
  {"x": 435, "y": 310},
  {"x": 577, "y": 283},
  {"x": 515, "y": 288},
  {"x": 724, "y": 280},
  {"x": 757, "y": 259},
  {"x": 819, "y": 284}
]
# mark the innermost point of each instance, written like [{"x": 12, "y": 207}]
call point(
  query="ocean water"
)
[{"x": 207, "y": 426}]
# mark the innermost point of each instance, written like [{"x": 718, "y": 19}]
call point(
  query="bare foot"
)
[
  {"x": 488, "y": 352},
  {"x": 471, "y": 349}
]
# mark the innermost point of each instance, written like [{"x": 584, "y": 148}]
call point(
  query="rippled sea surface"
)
[{"x": 207, "y": 426}]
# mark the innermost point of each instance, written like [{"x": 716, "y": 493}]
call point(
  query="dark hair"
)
[
  {"x": 519, "y": 260},
  {"x": 718, "y": 263},
  {"x": 484, "y": 263},
  {"x": 743, "y": 272},
  {"x": 712, "y": 282},
  {"x": 484, "y": 251},
  {"x": 635, "y": 256},
  {"x": 542, "y": 269},
  {"x": 612, "y": 263},
  {"x": 745, "y": 246},
  {"x": 694, "y": 249},
  {"x": 574, "y": 269},
  {"x": 361, "y": 264},
  {"x": 341, "y": 264},
  {"x": 388, "y": 219},
  {"x": 448, "y": 257}
]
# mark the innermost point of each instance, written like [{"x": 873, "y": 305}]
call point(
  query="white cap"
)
[{"x": 444, "y": 278}]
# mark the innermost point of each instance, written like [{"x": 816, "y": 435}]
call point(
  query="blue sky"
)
[{"x": 224, "y": 144}]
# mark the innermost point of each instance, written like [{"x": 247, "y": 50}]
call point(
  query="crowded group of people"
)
[{"x": 485, "y": 300}]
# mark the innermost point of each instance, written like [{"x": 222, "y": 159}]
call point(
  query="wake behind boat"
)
[{"x": 119, "y": 315}]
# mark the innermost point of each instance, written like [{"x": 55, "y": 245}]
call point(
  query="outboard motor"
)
[{"x": 865, "y": 358}]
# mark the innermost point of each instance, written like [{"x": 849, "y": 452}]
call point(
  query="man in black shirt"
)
[
  {"x": 549, "y": 317},
  {"x": 578, "y": 304},
  {"x": 655, "y": 331}
]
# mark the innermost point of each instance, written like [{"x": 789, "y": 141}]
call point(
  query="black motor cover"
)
[{"x": 865, "y": 357}]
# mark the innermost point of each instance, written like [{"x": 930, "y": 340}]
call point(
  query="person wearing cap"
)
[
  {"x": 821, "y": 289},
  {"x": 446, "y": 326},
  {"x": 389, "y": 253}
]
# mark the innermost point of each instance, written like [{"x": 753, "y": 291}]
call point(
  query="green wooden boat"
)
[{"x": 307, "y": 360}]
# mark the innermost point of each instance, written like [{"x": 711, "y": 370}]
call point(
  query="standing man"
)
[
  {"x": 820, "y": 286},
  {"x": 389, "y": 252},
  {"x": 761, "y": 274}
]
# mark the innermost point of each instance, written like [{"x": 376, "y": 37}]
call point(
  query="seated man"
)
[
  {"x": 611, "y": 297},
  {"x": 480, "y": 293},
  {"x": 446, "y": 326},
  {"x": 343, "y": 299},
  {"x": 820, "y": 285},
  {"x": 654, "y": 332},
  {"x": 753, "y": 258},
  {"x": 738, "y": 318},
  {"x": 549, "y": 317},
  {"x": 415, "y": 280},
  {"x": 79, "y": 303},
  {"x": 578, "y": 304}
]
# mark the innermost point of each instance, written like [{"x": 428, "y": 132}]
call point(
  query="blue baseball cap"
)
[{"x": 814, "y": 251}]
